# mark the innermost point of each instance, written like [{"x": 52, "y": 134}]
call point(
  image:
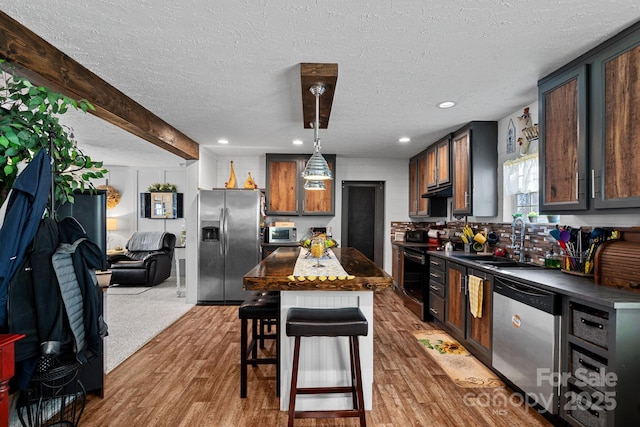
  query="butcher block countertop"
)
[{"x": 274, "y": 273}]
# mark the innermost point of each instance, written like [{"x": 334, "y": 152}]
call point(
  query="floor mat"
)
[{"x": 460, "y": 365}]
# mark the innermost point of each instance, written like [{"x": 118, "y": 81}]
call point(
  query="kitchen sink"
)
[{"x": 497, "y": 262}]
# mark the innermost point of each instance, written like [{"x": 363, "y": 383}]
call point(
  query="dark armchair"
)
[{"x": 148, "y": 259}]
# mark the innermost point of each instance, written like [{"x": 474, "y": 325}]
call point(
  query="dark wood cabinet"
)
[
  {"x": 396, "y": 265},
  {"x": 598, "y": 358},
  {"x": 589, "y": 118},
  {"x": 413, "y": 186},
  {"x": 615, "y": 126},
  {"x": 438, "y": 164},
  {"x": 455, "y": 302},
  {"x": 437, "y": 288},
  {"x": 474, "y": 153},
  {"x": 472, "y": 332},
  {"x": 478, "y": 329},
  {"x": 563, "y": 141},
  {"x": 285, "y": 193},
  {"x": 419, "y": 184}
]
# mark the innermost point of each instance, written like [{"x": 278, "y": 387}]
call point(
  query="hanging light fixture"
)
[
  {"x": 317, "y": 168},
  {"x": 311, "y": 185}
]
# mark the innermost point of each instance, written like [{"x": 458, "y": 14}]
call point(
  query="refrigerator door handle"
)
[
  {"x": 226, "y": 234},
  {"x": 221, "y": 246}
]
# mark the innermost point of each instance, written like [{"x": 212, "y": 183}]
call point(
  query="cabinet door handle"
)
[
  {"x": 589, "y": 366},
  {"x": 593, "y": 183},
  {"x": 434, "y": 288},
  {"x": 435, "y": 276},
  {"x": 466, "y": 199},
  {"x": 592, "y": 324},
  {"x": 577, "y": 185},
  {"x": 434, "y": 311}
]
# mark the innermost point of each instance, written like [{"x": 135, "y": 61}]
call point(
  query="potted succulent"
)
[
  {"x": 533, "y": 216},
  {"x": 29, "y": 123},
  {"x": 162, "y": 188}
]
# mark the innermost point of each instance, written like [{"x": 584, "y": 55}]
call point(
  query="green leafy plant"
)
[
  {"x": 29, "y": 122},
  {"x": 166, "y": 187}
]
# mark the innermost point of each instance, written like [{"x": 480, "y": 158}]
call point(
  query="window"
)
[{"x": 521, "y": 187}]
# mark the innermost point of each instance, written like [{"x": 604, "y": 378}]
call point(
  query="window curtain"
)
[{"x": 521, "y": 174}]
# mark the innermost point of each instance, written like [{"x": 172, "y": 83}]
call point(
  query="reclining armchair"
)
[{"x": 147, "y": 261}]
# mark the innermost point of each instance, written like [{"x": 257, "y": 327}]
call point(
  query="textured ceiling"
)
[{"x": 230, "y": 69}]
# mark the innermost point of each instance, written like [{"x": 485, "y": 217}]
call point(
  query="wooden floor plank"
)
[{"x": 189, "y": 375}]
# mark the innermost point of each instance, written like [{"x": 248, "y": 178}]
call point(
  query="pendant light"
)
[
  {"x": 311, "y": 185},
  {"x": 317, "y": 168}
]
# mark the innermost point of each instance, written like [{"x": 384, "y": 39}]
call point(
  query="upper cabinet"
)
[
  {"x": 589, "y": 114},
  {"x": 419, "y": 175},
  {"x": 474, "y": 152},
  {"x": 615, "y": 125},
  {"x": 563, "y": 141},
  {"x": 438, "y": 161},
  {"x": 285, "y": 193}
]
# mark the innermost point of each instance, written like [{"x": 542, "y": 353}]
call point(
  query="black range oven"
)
[{"x": 415, "y": 275}]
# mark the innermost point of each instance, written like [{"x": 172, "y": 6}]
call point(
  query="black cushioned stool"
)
[
  {"x": 328, "y": 322},
  {"x": 263, "y": 309}
]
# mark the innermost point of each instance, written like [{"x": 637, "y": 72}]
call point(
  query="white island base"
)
[{"x": 324, "y": 361}]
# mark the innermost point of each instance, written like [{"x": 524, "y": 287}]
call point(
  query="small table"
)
[
  {"x": 322, "y": 361},
  {"x": 179, "y": 253}
]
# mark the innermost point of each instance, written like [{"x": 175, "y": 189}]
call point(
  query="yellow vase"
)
[{"x": 232, "y": 177}]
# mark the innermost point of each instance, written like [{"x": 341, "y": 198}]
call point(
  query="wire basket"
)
[
  {"x": 577, "y": 265},
  {"x": 531, "y": 132}
]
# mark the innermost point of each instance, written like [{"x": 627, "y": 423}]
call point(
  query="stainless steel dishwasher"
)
[{"x": 526, "y": 339}]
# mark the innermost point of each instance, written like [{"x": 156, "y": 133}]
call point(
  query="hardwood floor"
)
[{"x": 189, "y": 375}]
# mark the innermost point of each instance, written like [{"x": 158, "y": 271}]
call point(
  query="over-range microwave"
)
[{"x": 281, "y": 235}]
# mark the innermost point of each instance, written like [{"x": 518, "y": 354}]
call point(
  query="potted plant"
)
[
  {"x": 533, "y": 216},
  {"x": 29, "y": 123}
]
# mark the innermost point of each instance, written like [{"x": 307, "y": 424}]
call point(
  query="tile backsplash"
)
[{"x": 537, "y": 239}]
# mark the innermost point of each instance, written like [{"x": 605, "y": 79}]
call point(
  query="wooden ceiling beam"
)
[
  {"x": 45, "y": 65},
  {"x": 311, "y": 75}
]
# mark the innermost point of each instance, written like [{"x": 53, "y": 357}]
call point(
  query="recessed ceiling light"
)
[
  {"x": 297, "y": 142},
  {"x": 223, "y": 141},
  {"x": 446, "y": 104},
  {"x": 404, "y": 140}
]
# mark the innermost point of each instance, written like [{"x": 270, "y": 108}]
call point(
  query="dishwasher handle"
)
[{"x": 529, "y": 295}]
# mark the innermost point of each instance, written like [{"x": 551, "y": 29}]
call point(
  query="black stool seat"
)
[
  {"x": 260, "y": 305},
  {"x": 263, "y": 309},
  {"x": 326, "y": 322}
]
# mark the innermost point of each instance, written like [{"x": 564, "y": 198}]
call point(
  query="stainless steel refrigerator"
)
[{"x": 228, "y": 243}]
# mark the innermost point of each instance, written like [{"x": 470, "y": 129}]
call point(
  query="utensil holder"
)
[{"x": 575, "y": 265}]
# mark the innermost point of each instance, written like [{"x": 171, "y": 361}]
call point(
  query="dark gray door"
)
[{"x": 363, "y": 218}]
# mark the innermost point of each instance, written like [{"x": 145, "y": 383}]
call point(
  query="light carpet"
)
[
  {"x": 460, "y": 365},
  {"x": 135, "y": 316}
]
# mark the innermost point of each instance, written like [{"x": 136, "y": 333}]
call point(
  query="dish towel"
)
[{"x": 475, "y": 295}]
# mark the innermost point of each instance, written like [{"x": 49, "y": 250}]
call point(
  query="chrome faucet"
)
[{"x": 520, "y": 247}]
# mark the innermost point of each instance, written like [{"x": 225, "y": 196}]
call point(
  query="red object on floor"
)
[{"x": 7, "y": 368}]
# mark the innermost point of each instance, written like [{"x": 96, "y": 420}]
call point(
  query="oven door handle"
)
[{"x": 414, "y": 257}]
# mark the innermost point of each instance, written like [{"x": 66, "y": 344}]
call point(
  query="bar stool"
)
[
  {"x": 328, "y": 322},
  {"x": 263, "y": 309}
]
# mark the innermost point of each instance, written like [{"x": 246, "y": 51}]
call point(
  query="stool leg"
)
[
  {"x": 294, "y": 381},
  {"x": 243, "y": 357},
  {"x": 278, "y": 356},
  {"x": 262, "y": 333},
  {"x": 254, "y": 334},
  {"x": 356, "y": 355},
  {"x": 352, "y": 367}
]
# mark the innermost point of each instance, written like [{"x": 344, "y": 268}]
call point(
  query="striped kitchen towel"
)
[{"x": 475, "y": 295}]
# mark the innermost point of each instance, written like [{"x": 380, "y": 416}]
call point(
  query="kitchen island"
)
[{"x": 323, "y": 361}]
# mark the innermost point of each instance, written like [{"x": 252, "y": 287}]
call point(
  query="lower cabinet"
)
[
  {"x": 396, "y": 265},
  {"x": 472, "y": 332},
  {"x": 599, "y": 365},
  {"x": 437, "y": 288}
]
